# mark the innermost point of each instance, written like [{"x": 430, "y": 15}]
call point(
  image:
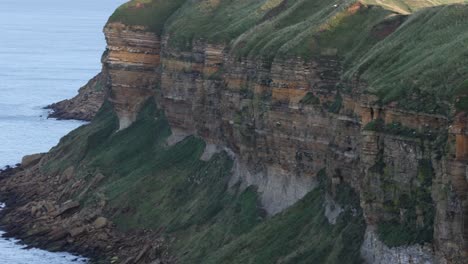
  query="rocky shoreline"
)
[
  {"x": 40, "y": 215},
  {"x": 44, "y": 218}
]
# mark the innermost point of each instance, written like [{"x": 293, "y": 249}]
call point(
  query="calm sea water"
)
[{"x": 48, "y": 49}]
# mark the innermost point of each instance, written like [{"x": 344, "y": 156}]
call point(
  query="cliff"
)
[{"x": 265, "y": 132}]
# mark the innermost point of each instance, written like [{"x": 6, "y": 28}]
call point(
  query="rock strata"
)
[{"x": 285, "y": 123}]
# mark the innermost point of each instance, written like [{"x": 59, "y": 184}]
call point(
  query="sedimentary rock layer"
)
[
  {"x": 280, "y": 140},
  {"x": 286, "y": 120}
]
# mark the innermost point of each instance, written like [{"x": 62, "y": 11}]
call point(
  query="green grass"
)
[
  {"x": 310, "y": 99},
  {"x": 422, "y": 64},
  {"x": 290, "y": 32},
  {"x": 336, "y": 105},
  {"x": 150, "y": 13},
  {"x": 72, "y": 148},
  {"x": 301, "y": 234},
  {"x": 149, "y": 185},
  {"x": 213, "y": 21}
]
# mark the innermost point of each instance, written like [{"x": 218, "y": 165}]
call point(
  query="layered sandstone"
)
[
  {"x": 131, "y": 61},
  {"x": 280, "y": 143}
]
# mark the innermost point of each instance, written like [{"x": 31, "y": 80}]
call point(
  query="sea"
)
[{"x": 48, "y": 49}]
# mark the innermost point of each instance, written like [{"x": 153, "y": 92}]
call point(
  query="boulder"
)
[
  {"x": 100, "y": 222},
  {"x": 67, "y": 207},
  {"x": 76, "y": 231}
]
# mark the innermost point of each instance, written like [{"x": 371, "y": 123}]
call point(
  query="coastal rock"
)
[
  {"x": 85, "y": 105},
  {"x": 67, "y": 207},
  {"x": 74, "y": 232}
]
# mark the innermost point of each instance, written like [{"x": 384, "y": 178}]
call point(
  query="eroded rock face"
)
[
  {"x": 131, "y": 62},
  {"x": 283, "y": 123},
  {"x": 374, "y": 251},
  {"x": 451, "y": 194},
  {"x": 279, "y": 143}
]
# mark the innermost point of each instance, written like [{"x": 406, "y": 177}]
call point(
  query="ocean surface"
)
[{"x": 48, "y": 49}]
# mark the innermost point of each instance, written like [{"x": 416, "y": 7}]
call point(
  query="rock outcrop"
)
[
  {"x": 86, "y": 104},
  {"x": 131, "y": 60}
]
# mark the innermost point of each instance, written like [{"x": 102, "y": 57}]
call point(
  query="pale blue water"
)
[{"x": 48, "y": 49}]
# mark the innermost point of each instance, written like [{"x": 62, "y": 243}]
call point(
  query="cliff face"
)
[
  {"x": 131, "y": 60},
  {"x": 291, "y": 125},
  {"x": 285, "y": 122}
]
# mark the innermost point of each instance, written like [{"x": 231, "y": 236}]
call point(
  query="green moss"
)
[
  {"x": 407, "y": 229},
  {"x": 375, "y": 125},
  {"x": 397, "y": 129},
  {"x": 336, "y": 105},
  {"x": 310, "y": 99}
]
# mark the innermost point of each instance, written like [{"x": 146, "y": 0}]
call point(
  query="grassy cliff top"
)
[
  {"x": 412, "y": 52},
  {"x": 423, "y": 63}
]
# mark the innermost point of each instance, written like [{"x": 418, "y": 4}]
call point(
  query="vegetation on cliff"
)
[
  {"x": 423, "y": 63},
  {"x": 410, "y": 214},
  {"x": 409, "y": 52},
  {"x": 151, "y": 185},
  {"x": 416, "y": 61},
  {"x": 149, "y": 13}
]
